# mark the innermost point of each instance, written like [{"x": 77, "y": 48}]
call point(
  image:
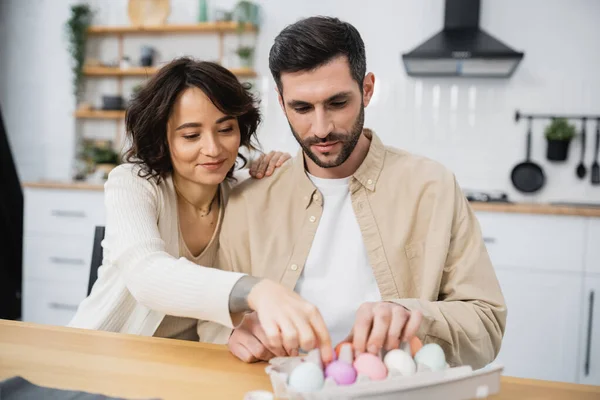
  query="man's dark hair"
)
[
  {"x": 313, "y": 42},
  {"x": 147, "y": 116}
]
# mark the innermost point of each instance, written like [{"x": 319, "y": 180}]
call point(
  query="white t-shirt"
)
[{"x": 337, "y": 277}]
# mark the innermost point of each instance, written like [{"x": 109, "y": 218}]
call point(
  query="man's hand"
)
[
  {"x": 383, "y": 325},
  {"x": 248, "y": 342}
]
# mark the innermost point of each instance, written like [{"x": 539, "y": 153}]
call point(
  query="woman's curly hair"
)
[{"x": 147, "y": 116}]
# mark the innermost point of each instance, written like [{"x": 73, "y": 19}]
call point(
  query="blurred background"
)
[{"x": 68, "y": 69}]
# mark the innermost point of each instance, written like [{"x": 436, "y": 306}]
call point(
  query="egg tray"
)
[{"x": 457, "y": 383}]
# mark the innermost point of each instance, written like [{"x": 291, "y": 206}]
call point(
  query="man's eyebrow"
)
[
  {"x": 189, "y": 125},
  {"x": 336, "y": 97}
]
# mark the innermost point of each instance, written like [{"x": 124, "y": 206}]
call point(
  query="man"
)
[{"x": 381, "y": 241}]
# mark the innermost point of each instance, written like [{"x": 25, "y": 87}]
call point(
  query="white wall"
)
[{"x": 475, "y": 134}]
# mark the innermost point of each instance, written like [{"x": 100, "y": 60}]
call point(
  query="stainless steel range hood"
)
[{"x": 462, "y": 48}]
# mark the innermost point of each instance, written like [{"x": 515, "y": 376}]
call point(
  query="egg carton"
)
[{"x": 457, "y": 383}]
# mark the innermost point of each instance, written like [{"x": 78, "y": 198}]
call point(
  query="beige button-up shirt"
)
[{"x": 423, "y": 242}]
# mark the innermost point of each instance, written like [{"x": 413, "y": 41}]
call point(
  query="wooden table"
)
[{"x": 138, "y": 367}]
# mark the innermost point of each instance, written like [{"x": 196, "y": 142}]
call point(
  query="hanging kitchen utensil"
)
[
  {"x": 595, "y": 165},
  {"x": 581, "y": 170},
  {"x": 528, "y": 177}
]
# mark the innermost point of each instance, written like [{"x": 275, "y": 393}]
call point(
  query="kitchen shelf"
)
[
  {"x": 147, "y": 71},
  {"x": 100, "y": 114},
  {"x": 204, "y": 27}
]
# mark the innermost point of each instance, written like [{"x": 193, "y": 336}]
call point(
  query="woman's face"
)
[{"x": 203, "y": 142}]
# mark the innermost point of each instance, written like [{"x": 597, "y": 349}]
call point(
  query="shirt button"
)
[
  {"x": 294, "y": 267},
  {"x": 370, "y": 182},
  {"x": 312, "y": 218},
  {"x": 316, "y": 197}
]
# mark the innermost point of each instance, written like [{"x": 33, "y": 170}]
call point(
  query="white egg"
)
[
  {"x": 400, "y": 361},
  {"x": 432, "y": 356},
  {"x": 306, "y": 377}
]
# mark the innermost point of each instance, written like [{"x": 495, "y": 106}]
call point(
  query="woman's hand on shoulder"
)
[{"x": 265, "y": 165}]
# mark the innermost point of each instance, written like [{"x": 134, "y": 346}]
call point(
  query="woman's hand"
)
[
  {"x": 288, "y": 320},
  {"x": 265, "y": 164}
]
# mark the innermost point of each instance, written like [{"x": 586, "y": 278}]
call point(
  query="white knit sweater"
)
[{"x": 142, "y": 278}]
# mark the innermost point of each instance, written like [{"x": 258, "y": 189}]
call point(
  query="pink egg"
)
[
  {"x": 371, "y": 366},
  {"x": 341, "y": 372}
]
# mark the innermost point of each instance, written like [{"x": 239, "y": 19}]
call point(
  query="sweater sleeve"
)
[{"x": 159, "y": 281}]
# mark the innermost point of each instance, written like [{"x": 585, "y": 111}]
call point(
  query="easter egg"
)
[
  {"x": 341, "y": 372},
  {"x": 400, "y": 361},
  {"x": 415, "y": 345},
  {"x": 432, "y": 356},
  {"x": 371, "y": 366},
  {"x": 339, "y": 347},
  {"x": 306, "y": 377}
]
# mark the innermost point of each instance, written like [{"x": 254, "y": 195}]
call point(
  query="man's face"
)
[{"x": 325, "y": 110}]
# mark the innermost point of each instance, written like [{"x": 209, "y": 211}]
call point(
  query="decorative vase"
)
[{"x": 203, "y": 12}]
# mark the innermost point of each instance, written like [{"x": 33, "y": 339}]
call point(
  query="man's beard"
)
[{"x": 348, "y": 142}]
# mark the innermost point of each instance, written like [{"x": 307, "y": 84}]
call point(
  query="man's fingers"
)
[
  {"x": 362, "y": 328},
  {"x": 381, "y": 324},
  {"x": 397, "y": 323},
  {"x": 241, "y": 352},
  {"x": 258, "y": 349},
  {"x": 412, "y": 326},
  {"x": 306, "y": 336}
]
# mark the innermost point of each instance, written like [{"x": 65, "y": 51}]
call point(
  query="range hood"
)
[{"x": 462, "y": 48}]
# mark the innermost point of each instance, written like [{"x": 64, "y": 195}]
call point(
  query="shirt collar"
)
[{"x": 367, "y": 173}]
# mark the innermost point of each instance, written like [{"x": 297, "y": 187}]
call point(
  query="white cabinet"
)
[
  {"x": 543, "y": 324},
  {"x": 540, "y": 261},
  {"x": 58, "y": 240},
  {"x": 593, "y": 246},
  {"x": 589, "y": 355},
  {"x": 541, "y": 242}
]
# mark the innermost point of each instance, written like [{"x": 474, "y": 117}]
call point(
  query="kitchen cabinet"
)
[
  {"x": 540, "y": 242},
  {"x": 541, "y": 263},
  {"x": 57, "y": 248},
  {"x": 589, "y": 355},
  {"x": 542, "y": 330},
  {"x": 593, "y": 246}
]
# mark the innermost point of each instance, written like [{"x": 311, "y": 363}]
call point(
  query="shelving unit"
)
[
  {"x": 220, "y": 29},
  {"x": 147, "y": 71}
]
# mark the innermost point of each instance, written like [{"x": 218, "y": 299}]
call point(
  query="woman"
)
[{"x": 164, "y": 209}]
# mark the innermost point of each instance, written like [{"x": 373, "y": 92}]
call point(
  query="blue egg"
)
[{"x": 306, "y": 377}]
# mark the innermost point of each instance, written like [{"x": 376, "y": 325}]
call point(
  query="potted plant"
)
[
  {"x": 245, "y": 53},
  {"x": 77, "y": 26},
  {"x": 558, "y": 137},
  {"x": 101, "y": 157}
]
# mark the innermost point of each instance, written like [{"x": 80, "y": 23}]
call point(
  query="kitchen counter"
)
[
  {"x": 64, "y": 185},
  {"x": 523, "y": 208},
  {"x": 144, "y": 367}
]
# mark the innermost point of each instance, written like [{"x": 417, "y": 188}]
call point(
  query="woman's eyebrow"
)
[
  {"x": 223, "y": 119},
  {"x": 189, "y": 125}
]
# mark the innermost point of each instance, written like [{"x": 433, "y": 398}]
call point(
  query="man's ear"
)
[
  {"x": 368, "y": 88},
  {"x": 280, "y": 99}
]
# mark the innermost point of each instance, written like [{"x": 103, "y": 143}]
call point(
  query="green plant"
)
[
  {"x": 245, "y": 52},
  {"x": 99, "y": 152},
  {"x": 560, "y": 129},
  {"x": 77, "y": 26},
  {"x": 246, "y": 12}
]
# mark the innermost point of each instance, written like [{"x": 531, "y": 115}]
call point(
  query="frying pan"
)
[{"x": 528, "y": 177}]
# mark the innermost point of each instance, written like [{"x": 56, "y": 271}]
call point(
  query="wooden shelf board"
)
[
  {"x": 100, "y": 114},
  {"x": 147, "y": 71},
  {"x": 204, "y": 27}
]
